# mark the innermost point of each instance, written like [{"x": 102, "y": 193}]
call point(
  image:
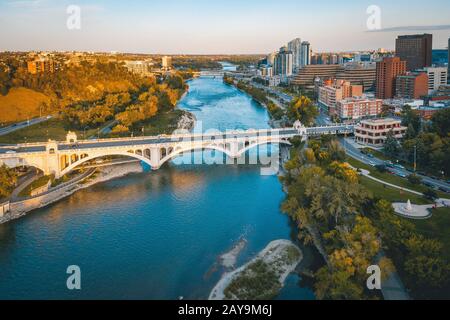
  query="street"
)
[{"x": 23, "y": 124}]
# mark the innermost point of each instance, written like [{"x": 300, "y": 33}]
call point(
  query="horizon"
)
[{"x": 254, "y": 28}]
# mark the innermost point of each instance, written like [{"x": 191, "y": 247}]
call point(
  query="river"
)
[{"x": 156, "y": 235}]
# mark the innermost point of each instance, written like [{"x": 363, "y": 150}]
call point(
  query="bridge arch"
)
[
  {"x": 95, "y": 156},
  {"x": 180, "y": 150},
  {"x": 252, "y": 145}
]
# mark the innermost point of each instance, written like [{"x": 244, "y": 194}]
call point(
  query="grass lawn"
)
[
  {"x": 51, "y": 129},
  {"x": 35, "y": 184},
  {"x": 391, "y": 194},
  {"x": 438, "y": 227},
  {"x": 390, "y": 178}
]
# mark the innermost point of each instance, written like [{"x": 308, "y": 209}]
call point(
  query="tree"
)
[
  {"x": 409, "y": 117},
  {"x": 8, "y": 180},
  {"x": 302, "y": 109},
  {"x": 441, "y": 122},
  {"x": 424, "y": 264},
  {"x": 414, "y": 179},
  {"x": 430, "y": 194},
  {"x": 391, "y": 145}
]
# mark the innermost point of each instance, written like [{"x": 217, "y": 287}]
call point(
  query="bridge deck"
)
[{"x": 166, "y": 139}]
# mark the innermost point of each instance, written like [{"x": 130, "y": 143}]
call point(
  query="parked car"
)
[
  {"x": 399, "y": 166},
  {"x": 401, "y": 174},
  {"x": 370, "y": 155}
]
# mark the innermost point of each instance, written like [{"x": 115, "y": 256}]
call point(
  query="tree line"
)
[{"x": 350, "y": 227}]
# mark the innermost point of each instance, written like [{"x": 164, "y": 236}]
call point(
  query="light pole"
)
[{"x": 415, "y": 158}]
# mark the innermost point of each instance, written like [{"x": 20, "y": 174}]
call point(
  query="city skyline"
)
[{"x": 214, "y": 28}]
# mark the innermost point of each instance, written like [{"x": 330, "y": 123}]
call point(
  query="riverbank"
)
[
  {"x": 187, "y": 121},
  {"x": 262, "y": 277},
  {"x": 22, "y": 207}
]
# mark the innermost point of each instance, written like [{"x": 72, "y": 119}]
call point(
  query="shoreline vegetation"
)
[
  {"x": 262, "y": 277},
  {"x": 353, "y": 227}
]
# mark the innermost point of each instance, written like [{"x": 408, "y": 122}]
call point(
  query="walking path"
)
[
  {"x": 418, "y": 211},
  {"x": 392, "y": 287}
]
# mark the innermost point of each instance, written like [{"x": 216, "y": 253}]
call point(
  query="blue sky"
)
[{"x": 201, "y": 26}]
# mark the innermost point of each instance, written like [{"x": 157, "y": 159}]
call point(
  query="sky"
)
[{"x": 216, "y": 26}]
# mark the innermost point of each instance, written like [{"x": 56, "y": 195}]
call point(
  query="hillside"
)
[{"x": 21, "y": 104}]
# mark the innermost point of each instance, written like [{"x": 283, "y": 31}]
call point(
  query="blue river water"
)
[{"x": 155, "y": 235}]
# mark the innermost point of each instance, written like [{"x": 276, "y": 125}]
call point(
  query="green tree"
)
[
  {"x": 303, "y": 109},
  {"x": 391, "y": 145},
  {"x": 441, "y": 122},
  {"x": 414, "y": 179}
]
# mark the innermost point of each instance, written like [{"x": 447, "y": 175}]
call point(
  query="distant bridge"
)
[
  {"x": 212, "y": 73},
  {"x": 59, "y": 158}
]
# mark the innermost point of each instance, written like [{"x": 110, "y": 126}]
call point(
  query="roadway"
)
[
  {"x": 22, "y": 125},
  {"x": 163, "y": 139},
  {"x": 356, "y": 153}
]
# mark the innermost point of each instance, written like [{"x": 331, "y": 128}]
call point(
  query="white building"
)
[
  {"x": 437, "y": 76},
  {"x": 374, "y": 132},
  {"x": 166, "y": 63},
  {"x": 138, "y": 67}
]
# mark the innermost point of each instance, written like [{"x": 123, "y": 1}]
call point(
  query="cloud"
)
[{"x": 413, "y": 28}]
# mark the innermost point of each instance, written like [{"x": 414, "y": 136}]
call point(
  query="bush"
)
[
  {"x": 414, "y": 179},
  {"x": 430, "y": 194}
]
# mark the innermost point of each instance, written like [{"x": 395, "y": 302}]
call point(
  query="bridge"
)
[
  {"x": 60, "y": 158},
  {"x": 212, "y": 73}
]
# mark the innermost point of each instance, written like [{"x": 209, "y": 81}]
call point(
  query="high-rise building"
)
[
  {"x": 412, "y": 85},
  {"x": 271, "y": 58},
  {"x": 437, "y": 76},
  {"x": 305, "y": 56},
  {"x": 295, "y": 47},
  {"x": 166, "y": 63},
  {"x": 283, "y": 64},
  {"x": 416, "y": 50},
  {"x": 387, "y": 71}
]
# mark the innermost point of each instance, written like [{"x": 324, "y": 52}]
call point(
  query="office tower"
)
[
  {"x": 305, "y": 58},
  {"x": 416, "y": 50},
  {"x": 295, "y": 47},
  {"x": 387, "y": 71},
  {"x": 283, "y": 64}
]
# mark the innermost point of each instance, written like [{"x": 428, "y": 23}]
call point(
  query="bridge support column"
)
[
  {"x": 234, "y": 149},
  {"x": 155, "y": 158}
]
